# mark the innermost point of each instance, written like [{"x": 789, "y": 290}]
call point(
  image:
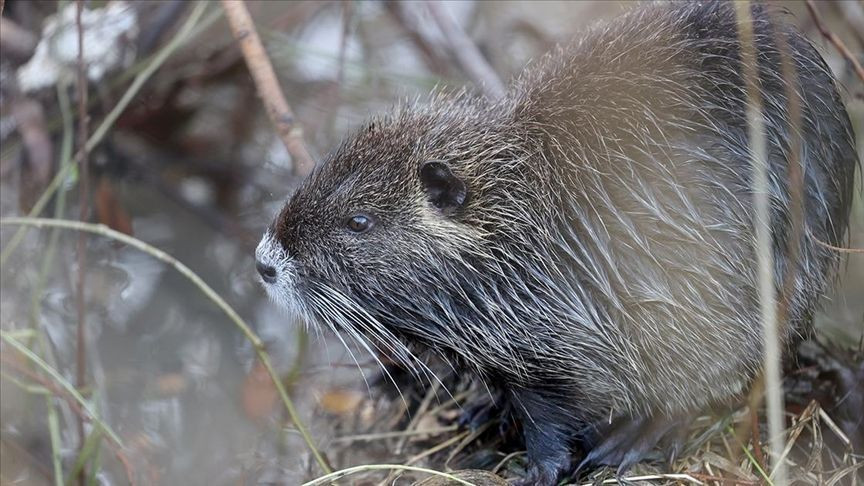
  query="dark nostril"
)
[{"x": 267, "y": 272}]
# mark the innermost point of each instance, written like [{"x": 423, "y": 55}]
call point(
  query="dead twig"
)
[
  {"x": 853, "y": 13},
  {"x": 755, "y": 435},
  {"x": 277, "y": 107},
  {"x": 433, "y": 59},
  {"x": 466, "y": 53},
  {"x": 833, "y": 39}
]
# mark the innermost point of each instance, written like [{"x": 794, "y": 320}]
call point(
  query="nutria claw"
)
[{"x": 629, "y": 440}]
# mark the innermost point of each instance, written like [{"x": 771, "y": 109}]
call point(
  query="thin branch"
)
[
  {"x": 257, "y": 344},
  {"x": 853, "y": 13},
  {"x": 756, "y": 437},
  {"x": 466, "y": 53},
  {"x": 832, "y": 38},
  {"x": 403, "y": 17},
  {"x": 267, "y": 84}
]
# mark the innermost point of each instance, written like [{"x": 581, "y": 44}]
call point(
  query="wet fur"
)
[{"x": 603, "y": 264}]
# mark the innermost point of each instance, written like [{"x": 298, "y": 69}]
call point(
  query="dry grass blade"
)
[
  {"x": 348, "y": 439},
  {"x": 680, "y": 478},
  {"x": 835, "y": 428},
  {"x": 843, "y": 473},
  {"x": 758, "y": 144},
  {"x": 805, "y": 418},
  {"x": 507, "y": 459},
  {"x": 468, "y": 440},
  {"x": 59, "y": 390},
  {"x": 63, "y": 383},
  {"x": 711, "y": 458},
  {"x": 418, "y": 414},
  {"x": 721, "y": 480},
  {"x": 438, "y": 447},
  {"x": 329, "y": 478}
]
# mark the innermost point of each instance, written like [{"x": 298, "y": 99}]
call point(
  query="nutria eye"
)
[{"x": 359, "y": 223}]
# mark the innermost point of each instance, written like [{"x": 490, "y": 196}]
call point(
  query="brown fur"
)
[{"x": 602, "y": 263}]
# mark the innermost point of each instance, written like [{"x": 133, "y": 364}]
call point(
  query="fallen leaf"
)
[
  {"x": 109, "y": 210},
  {"x": 259, "y": 393},
  {"x": 171, "y": 384},
  {"x": 340, "y": 402}
]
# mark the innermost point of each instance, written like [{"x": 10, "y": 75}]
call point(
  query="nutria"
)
[{"x": 586, "y": 243}]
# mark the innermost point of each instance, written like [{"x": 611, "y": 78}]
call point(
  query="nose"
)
[{"x": 267, "y": 272}]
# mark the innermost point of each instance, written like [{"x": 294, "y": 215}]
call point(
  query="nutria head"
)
[
  {"x": 391, "y": 204},
  {"x": 405, "y": 233}
]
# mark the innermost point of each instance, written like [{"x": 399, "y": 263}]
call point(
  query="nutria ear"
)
[{"x": 446, "y": 191}]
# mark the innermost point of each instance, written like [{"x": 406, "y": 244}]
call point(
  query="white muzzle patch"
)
[{"x": 282, "y": 287}]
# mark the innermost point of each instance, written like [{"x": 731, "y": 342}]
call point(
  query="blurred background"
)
[{"x": 193, "y": 166}]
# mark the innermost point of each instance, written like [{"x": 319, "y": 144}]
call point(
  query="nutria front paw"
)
[
  {"x": 629, "y": 440},
  {"x": 483, "y": 409},
  {"x": 539, "y": 475}
]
